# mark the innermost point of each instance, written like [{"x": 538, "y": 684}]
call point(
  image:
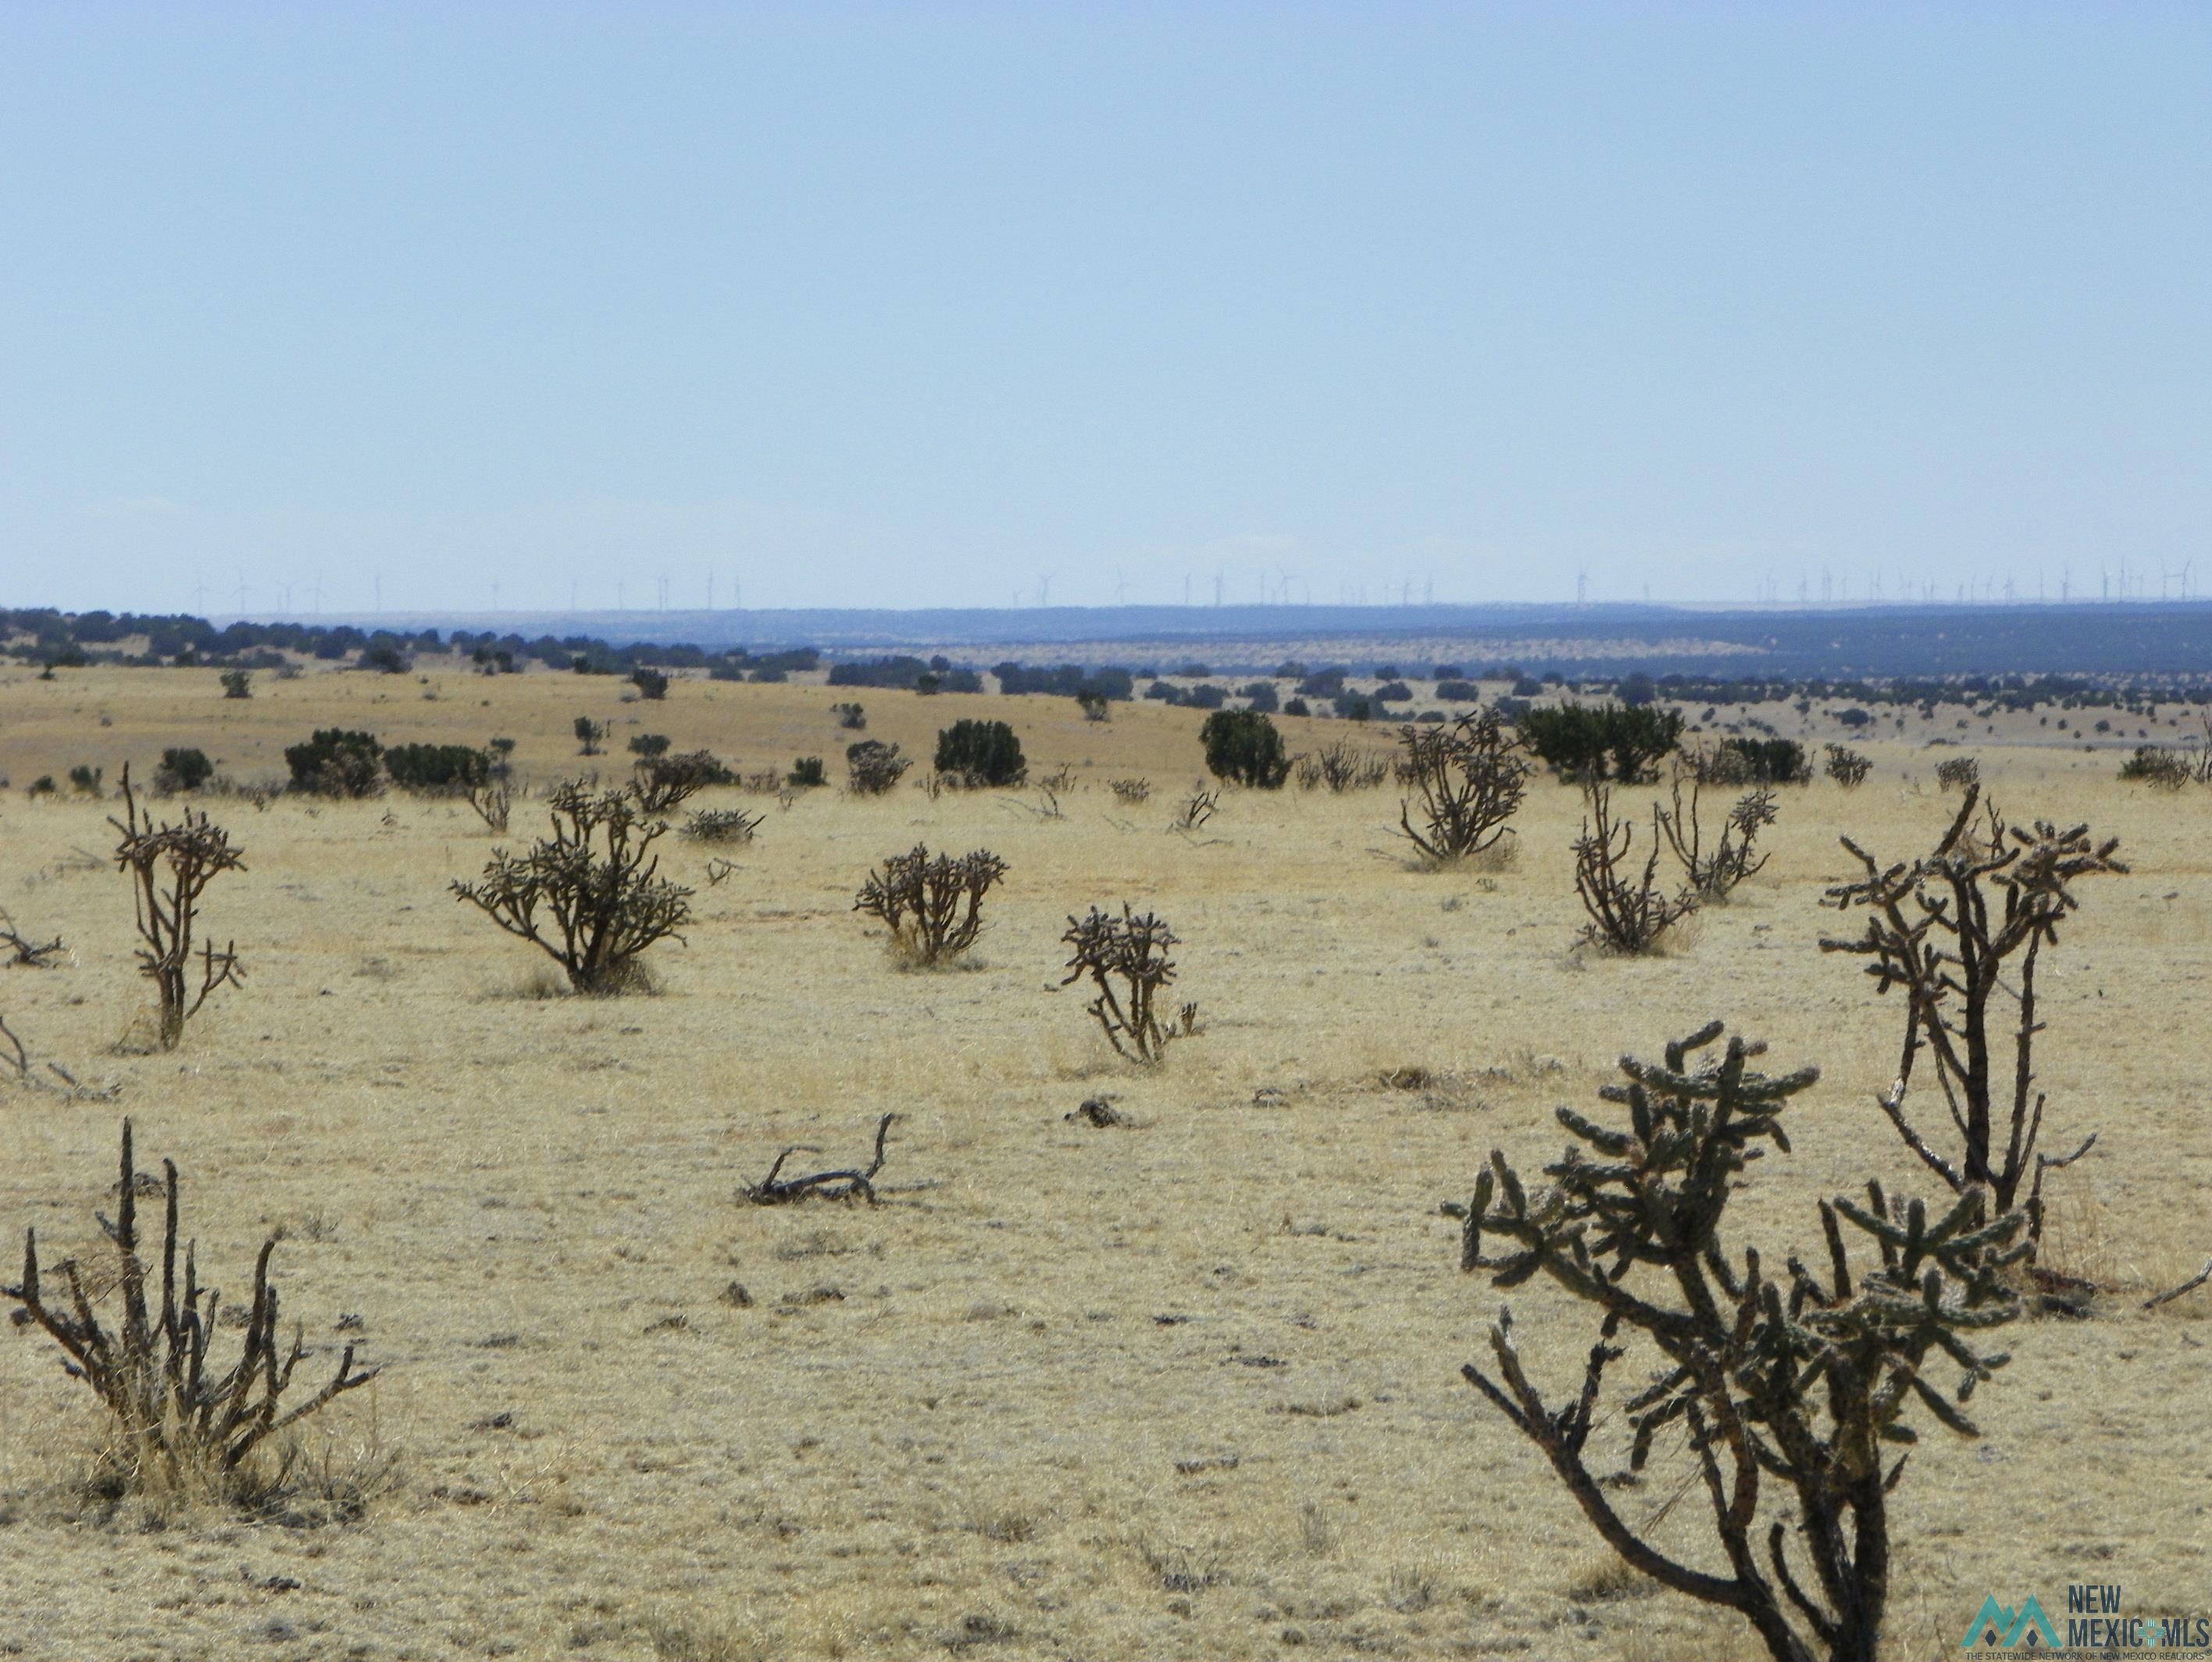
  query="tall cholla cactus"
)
[
  {"x": 1960, "y": 932},
  {"x": 1792, "y": 1380}
]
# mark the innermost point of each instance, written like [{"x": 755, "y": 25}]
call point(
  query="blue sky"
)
[{"x": 909, "y": 303}]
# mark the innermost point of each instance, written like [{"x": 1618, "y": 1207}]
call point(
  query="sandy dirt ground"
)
[{"x": 1186, "y": 1390}]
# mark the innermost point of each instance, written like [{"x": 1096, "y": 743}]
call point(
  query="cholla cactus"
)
[
  {"x": 1713, "y": 872},
  {"x": 1847, "y": 766},
  {"x": 1471, "y": 777},
  {"x": 1955, "y": 929},
  {"x": 181, "y": 1416},
  {"x": 1793, "y": 1382},
  {"x": 1628, "y": 913},
  {"x": 170, "y": 867},
  {"x": 590, "y": 896},
  {"x": 1126, "y": 960},
  {"x": 933, "y": 907}
]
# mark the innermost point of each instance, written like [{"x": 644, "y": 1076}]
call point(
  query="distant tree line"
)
[{"x": 46, "y": 636}]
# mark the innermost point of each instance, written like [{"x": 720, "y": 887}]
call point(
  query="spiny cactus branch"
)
[{"x": 1797, "y": 1380}]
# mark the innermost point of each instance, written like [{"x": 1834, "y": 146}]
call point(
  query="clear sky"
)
[{"x": 932, "y": 304}]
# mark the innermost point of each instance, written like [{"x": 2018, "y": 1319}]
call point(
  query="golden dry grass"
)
[{"x": 1185, "y": 1391}]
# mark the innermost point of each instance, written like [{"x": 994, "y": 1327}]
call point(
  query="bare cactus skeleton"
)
[{"x": 152, "y": 1369}]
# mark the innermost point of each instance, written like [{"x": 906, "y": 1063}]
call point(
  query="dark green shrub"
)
[
  {"x": 650, "y": 683},
  {"x": 85, "y": 779},
  {"x": 1596, "y": 741},
  {"x": 1765, "y": 762},
  {"x": 1243, "y": 747},
  {"x": 436, "y": 769},
  {"x": 237, "y": 684},
  {"x": 807, "y": 772},
  {"x": 1260, "y": 695},
  {"x": 387, "y": 660},
  {"x": 1458, "y": 692},
  {"x": 648, "y": 744},
  {"x": 663, "y": 782},
  {"x": 589, "y": 733},
  {"x": 1206, "y": 696},
  {"x": 335, "y": 763},
  {"x": 1295, "y": 707},
  {"x": 980, "y": 754},
  {"x": 183, "y": 768},
  {"x": 1393, "y": 692},
  {"x": 851, "y": 717}
]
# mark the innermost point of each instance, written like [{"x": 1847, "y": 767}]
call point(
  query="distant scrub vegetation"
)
[
  {"x": 58, "y": 640},
  {"x": 1618, "y": 742}
]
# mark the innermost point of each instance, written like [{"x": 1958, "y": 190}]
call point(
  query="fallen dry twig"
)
[{"x": 776, "y": 1190}]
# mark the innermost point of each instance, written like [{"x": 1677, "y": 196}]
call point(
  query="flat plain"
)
[{"x": 1187, "y": 1389}]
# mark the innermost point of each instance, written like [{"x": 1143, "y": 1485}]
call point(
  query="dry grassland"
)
[{"x": 1188, "y": 1390}]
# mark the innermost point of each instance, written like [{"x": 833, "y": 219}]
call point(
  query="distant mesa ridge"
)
[{"x": 2117, "y": 637}]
